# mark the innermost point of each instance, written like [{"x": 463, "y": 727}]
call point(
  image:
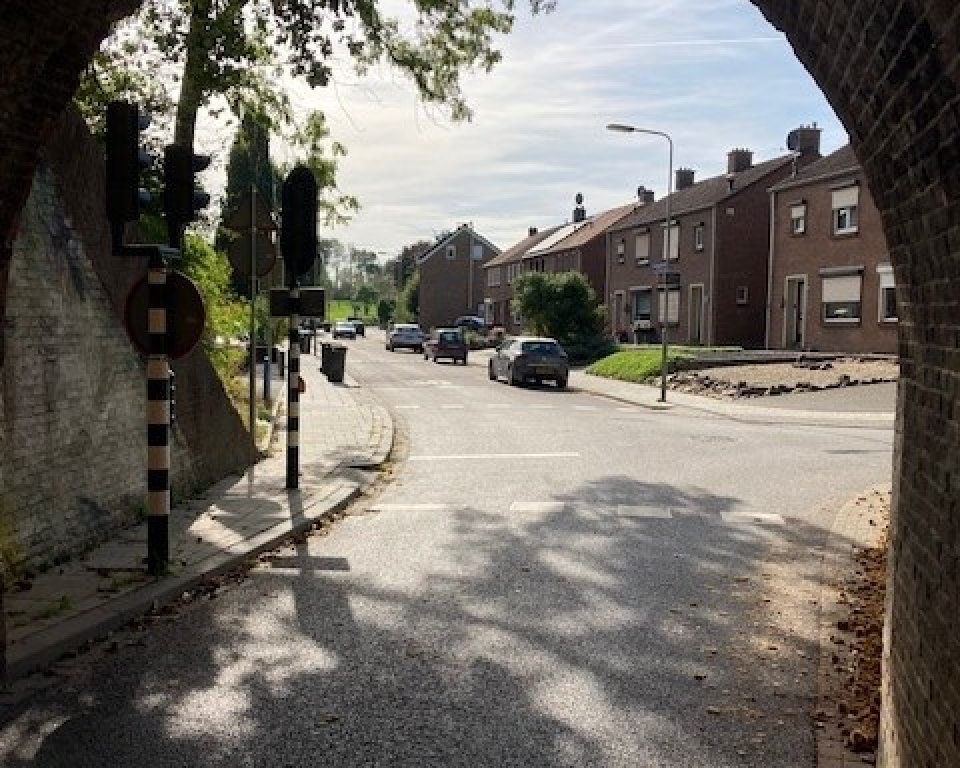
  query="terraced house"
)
[
  {"x": 832, "y": 286},
  {"x": 719, "y": 245}
]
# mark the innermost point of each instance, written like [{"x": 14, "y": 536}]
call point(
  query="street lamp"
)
[{"x": 623, "y": 128}]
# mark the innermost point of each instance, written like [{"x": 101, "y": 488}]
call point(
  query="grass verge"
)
[{"x": 638, "y": 364}]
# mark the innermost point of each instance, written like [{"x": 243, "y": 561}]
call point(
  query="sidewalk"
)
[{"x": 342, "y": 430}]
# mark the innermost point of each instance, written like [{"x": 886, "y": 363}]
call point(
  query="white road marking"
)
[
  {"x": 541, "y": 407},
  {"x": 584, "y": 407},
  {"x": 408, "y": 507},
  {"x": 451, "y": 407},
  {"x": 537, "y": 506},
  {"x": 746, "y": 518},
  {"x": 407, "y": 407},
  {"x": 498, "y": 405},
  {"x": 494, "y": 456},
  {"x": 626, "y": 510}
]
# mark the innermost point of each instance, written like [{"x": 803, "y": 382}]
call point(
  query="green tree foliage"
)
[
  {"x": 365, "y": 295},
  {"x": 408, "y": 305},
  {"x": 385, "y": 309},
  {"x": 560, "y": 305}
]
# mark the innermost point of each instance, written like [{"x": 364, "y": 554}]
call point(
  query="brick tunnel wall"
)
[
  {"x": 891, "y": 70},
  {"x": 72, "y": 388}
]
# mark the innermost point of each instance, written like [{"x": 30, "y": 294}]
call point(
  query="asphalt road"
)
[{"x": 546, "y": 579}]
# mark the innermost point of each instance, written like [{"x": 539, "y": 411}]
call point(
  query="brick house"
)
[
  {"x": 719, "y": 244},
  {"x": 577, "y": 246},
  {"x": 831, "y": 283},
  {"x": 451, "y": 277},
  {"x": 500, "y": 273}
]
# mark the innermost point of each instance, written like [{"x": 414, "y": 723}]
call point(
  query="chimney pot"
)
[
  {"x": 684, "y": 178},
  {"x": 531, "y": 231},
  {"x": 739, "y": 160}
]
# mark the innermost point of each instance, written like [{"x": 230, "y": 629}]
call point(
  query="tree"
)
[
  {"x": 408, "y": 305},
  {"x": 366, "y": 295},
  {"x": 560, "y": 305}
]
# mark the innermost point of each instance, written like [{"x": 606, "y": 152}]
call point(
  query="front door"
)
[
  {"x": 696, "y": 314},
  {"x": 794, "y": 312},
  {"x": 617, "y": 313}
]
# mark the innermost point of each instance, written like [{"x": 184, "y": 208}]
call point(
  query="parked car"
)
[
  {"x": 471, "y": 322},
  {"x": 405, "y": 336},
  {"x": 343, "y": 329},
  {"x": 446, "y": 342},
  {"x": 530, "y": 358},
  {"x": 358, "y": 325}
]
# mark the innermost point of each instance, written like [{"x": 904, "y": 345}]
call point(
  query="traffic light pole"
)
[
  {"x": 252, "y": 413},
  {"x": 158, "y": 418},
  {"x": 293, "y": 387}
]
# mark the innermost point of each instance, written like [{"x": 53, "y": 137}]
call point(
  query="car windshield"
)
[
  {"x": 406, "y": 328},
  {"x": 344, "y": 325},
  {"x": 449, "y": 336},
  {"x": 541, "y": 348}
]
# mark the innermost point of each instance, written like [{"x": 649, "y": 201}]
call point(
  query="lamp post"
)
[{"x": 623, "y": 128}]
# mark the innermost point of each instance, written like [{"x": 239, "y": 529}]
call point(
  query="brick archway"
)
[{"x": 890, "y": 69}]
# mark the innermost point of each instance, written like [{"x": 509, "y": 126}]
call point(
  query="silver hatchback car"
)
[{"x": 530, "y": 358}]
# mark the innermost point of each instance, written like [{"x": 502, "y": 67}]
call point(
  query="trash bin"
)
[
  {"x": 325, "y": 355},
  {"x": 336, "y": 362}
]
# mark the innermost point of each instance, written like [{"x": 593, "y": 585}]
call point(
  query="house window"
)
[
  {"x": 888, "y": 295},
  {"x": 743, "y": 294},
  {"x": 841, "y": 298},
  {"x": 674, "y": 237},
  {"x": 621, "y": 249},
  {"x": 698, "y": 237},
  {"x": 643, "y": 249},
  {"x": 798, "y": 219},
  {"x": 641, "y": 300},
  {"x": 451, "y": 252},
  {"x": 671, "y": 303},
  {"x": 476, "y": 251},
  {"x": 493, "y": 277},
  {"x": 845, "y": 210}
]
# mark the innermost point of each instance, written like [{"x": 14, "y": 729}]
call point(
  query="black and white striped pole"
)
[
  {"x": 293, "y": 388},
  {"x": 158, "y": 417},
  {"x": 298, "y": 241}
]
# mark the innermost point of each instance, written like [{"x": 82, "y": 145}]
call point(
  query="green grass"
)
[
  {"x": 341, "y": 309},
  {"x": 643, "y": 362}
]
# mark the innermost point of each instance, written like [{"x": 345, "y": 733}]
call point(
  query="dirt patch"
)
[{"x": 762, "y": 379}]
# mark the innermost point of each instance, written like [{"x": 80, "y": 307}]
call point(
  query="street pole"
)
[
  {"x": 158, "y": 418},
  {"x": 293, "y": 386},
  {"x": 623, "y": 128},
  {"x": 252, "y": 413}
]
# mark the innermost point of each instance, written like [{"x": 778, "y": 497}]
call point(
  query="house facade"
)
[
  {"x": 831, "y": 284},
  {"x": 452, "y": 277},
  {"x": 718, "y": 250}
]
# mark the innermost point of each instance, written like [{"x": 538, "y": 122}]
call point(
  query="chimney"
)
[
  {"x": 645, "y": 195},
  {"x": 805, "y": 140},
  {"x": 739, "y": 160},
  {"x": 684, "y": 178},
  {"x": 579, "y": 213},
  {"x": 531, "y": 231}
]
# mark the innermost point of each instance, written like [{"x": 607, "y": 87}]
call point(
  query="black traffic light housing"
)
[
  {"x": 298, "y": 231},
  {"x": 182, "y": 200},
  {"x": 126, "y": 160}
]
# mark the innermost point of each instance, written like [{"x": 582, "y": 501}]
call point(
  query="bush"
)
[{"x": 583, "y": 351}]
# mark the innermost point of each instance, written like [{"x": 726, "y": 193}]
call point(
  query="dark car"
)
[
  {"x": 448, "y": 343},
  {"x": 470, "y": 322},
  {"x": 344, "y": 330},
  {"x": 530, "y": 358},
  {"x": 358, "y": 325}
]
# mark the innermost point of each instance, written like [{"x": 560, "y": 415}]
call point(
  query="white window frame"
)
[
  {"x": 886, "y": 284},
  {"x": 647, "y": 321},
  {"x": 672, "y": 304},
  {"x": 451, "y": 253},
  {"x": 743, "y": 295},
  {"x": 642, "y": 253},
  {"x": 493, "y": 277},
  {"x": 839, "y": 289},
  {"x": 674, "y": 242},
  {"x": 621, "y": 251},
  {"x": 798, "y": 219},
  {"x": 845, "y": 204},
  {"x": 698, "y": 237}
]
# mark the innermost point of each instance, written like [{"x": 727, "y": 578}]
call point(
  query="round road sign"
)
[{"x": 186, "y": 316}]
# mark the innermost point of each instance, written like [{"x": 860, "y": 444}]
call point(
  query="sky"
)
[{"x": 714, "y": 74}]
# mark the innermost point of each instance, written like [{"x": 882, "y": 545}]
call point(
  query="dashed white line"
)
[{"x": 627, "y": 510}]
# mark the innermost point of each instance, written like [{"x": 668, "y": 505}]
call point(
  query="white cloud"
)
[{"x": 712, "y": 73}]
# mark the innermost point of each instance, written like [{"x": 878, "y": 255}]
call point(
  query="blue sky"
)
[{"x": 712, "y": 73}]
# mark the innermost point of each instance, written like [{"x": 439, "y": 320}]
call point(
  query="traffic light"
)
[
  {"x": 126, "y": 160},
  {"x": 298, "y": 233},
  {"x": 182, "y": 199}
]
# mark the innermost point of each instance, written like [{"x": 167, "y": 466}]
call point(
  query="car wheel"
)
[
  {"x": 511, "y": 378},
  {"x": 562, "y": 383},
  {"x": 490, "y": 374}
]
